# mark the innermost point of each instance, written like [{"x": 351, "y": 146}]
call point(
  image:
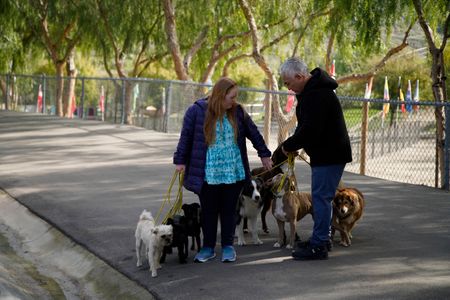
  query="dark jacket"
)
[
  {"x": 321, "y": 129},
  {"x": 191, "y": 149}
]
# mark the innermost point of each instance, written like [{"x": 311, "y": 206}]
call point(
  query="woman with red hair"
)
[{"x": 213, "y": 154}]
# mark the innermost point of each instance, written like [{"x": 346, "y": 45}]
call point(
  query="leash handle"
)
[{"x": 179, "y": 198}]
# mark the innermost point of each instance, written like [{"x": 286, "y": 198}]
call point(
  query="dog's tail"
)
[{"x": 146, "y": 215}]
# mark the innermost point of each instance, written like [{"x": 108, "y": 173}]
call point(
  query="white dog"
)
[{"x": 154, "y": 239}]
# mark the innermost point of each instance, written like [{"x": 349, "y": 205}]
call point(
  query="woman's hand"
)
[
  {"x": 266, "y": 162},
  {"x": 180, "y": 168}
]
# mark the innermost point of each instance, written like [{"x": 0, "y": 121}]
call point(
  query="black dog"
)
[
  {"x": 266, "y": 194},
  {"x": 180, "y": 238},
  {"x": 192, "y": 215}
]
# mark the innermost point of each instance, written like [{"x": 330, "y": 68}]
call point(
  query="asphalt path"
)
[{"x": 91, "y": 180}]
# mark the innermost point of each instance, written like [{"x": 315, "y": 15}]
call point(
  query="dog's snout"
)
[{"x": 257, "y": 197}]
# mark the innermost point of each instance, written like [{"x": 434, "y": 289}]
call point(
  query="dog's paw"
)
[
  {"x": 289, "y": 246},
  {"x": 345, "y": 244},
  {"x": 241, "y": 243},
  {"x": 154, "y": 274},
  {"x": 277, "y": 245},
  {"x": 258, "y": 242}
]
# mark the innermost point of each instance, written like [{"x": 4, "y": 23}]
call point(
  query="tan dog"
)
[
  {"x": 289, "y": 205},
  {"x": 348, "y": 206}
]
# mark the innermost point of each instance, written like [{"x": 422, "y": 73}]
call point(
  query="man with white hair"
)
[{"x": 322, "y": 133}]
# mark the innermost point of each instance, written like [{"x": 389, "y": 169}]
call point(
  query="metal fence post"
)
[
  {"x": 123, "y": 103},
  {"x": 81, "y": 110},
  {"x": 447, "y": 149},
  {"x": 43, "y": 79},
  {"x": 167, "y": 110},
  {"x": 7, "y": 92}
]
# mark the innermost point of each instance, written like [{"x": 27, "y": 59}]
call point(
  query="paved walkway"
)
[{"x": 91, "y": 181}]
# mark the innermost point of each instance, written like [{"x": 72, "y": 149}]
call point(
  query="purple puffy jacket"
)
[{"x": 191, "y": 149}]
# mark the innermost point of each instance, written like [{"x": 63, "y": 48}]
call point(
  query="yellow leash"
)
[
  {"x": 264, "y": 172},
  {"x": 291, "y": 163},
  {"x": 176, "y": 208}
]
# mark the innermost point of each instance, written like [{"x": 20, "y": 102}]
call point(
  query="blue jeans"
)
[
  {"x": 219, "y": 200},
  {"x": 324, "y": 182}
]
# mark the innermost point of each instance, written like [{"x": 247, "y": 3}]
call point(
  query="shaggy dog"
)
[
  {"x": 180, "y": 239},
  {"x": 249, "y": 206},
  {"x": 289, "y": 206},
  {"x": 192, "y": 215},
  {"x": 150, "y": 241},
  {"x": 348, "y": 206}
]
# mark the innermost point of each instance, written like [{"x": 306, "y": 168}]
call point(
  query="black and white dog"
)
[
  {"x": 266, "y": 194},
  {"x": 249, "y": 206}
]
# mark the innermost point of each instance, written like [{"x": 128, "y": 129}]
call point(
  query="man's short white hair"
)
[{"x": 293, "y": 66}]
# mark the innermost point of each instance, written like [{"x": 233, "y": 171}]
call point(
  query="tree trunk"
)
[
  {"x": 3, "y": 89},
  {"x": 128, "y": 95},
  {"x": 438, "y": 85},
  {"x": 271, "y": 83},
  {"x": 438, "y": 77},
  {"x": 172, "y": 40},
  {"x": 59, "y": 87},
  {"x": 70, "y": 92},
  {"x": 329, "y": 50}
]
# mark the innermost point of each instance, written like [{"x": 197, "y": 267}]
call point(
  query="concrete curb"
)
[{"x": 79, "y": 273}]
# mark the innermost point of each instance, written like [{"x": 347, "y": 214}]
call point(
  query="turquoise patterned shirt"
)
[{"x": 223, "y": 158}]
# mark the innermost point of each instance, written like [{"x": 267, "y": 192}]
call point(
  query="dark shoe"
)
[
  {"x": 304, "y": 244},
  {"x": 310, "y": 253}
]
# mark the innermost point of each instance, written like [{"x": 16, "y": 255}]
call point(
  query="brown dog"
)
[
  {"x": 348, "y": 206},
  {"x": 289, "y": 205}
]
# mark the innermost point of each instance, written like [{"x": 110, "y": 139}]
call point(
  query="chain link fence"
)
[{"x": 400, "y": 146}]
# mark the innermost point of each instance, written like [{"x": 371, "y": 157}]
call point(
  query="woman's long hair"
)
[{"x": 216, "y": 111}]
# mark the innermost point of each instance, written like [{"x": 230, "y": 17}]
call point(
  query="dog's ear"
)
[
  {"x": 195, "y": 205},
  {"x": 268, "y": 183},
  {"x": 259, "y": 182},
  {"x": 184, "y": 206}
]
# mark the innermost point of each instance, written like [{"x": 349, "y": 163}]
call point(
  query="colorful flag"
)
[
  {"x": 39, "y": 100},
  {"x": 101, "y": 101},
  {"x": 333, "y": 70},
  {"x": 416, "y": 96},
  {"x": 408, "y": 98},
  {"x": 400, "y": 95},
  {"x": 290, "y": 101},
  {"x": 386, "y": 97},
  {"x": 73, "y": 106}
]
